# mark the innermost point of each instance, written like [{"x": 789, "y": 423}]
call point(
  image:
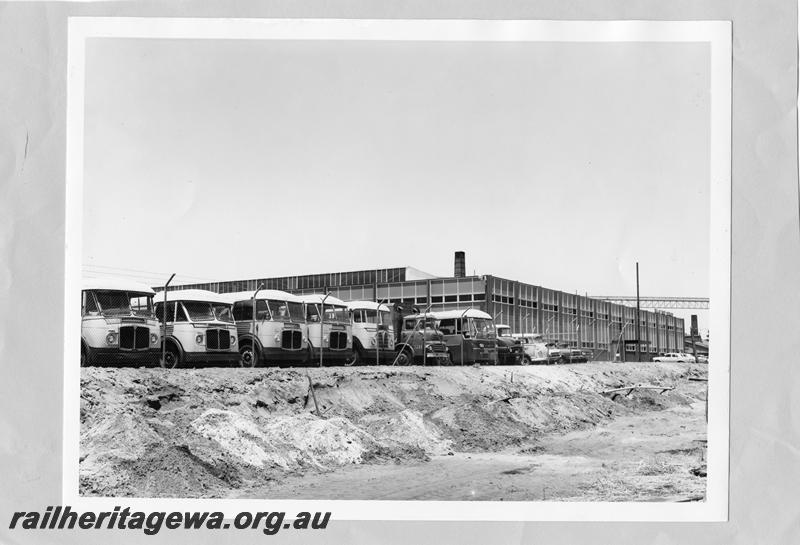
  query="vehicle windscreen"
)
[
  {"x": 124, "y": 303},
  {"x": 223, "y": 313},
  {"x": 483, "y": 328},
  {"x": 199, "y": 311},
  {"x": 386, "y": 317},
  {"x": 503, "y": 331},
  {"x": 336, "y": 314},
  {"x": 296, "y": 312},
  {"x": 370, "y": 316},
  {"x": 417, "y": 323},
  {"x": 281, "y": 311}
]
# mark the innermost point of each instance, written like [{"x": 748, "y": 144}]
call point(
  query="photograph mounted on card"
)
[{"x": 399, "y": 269}]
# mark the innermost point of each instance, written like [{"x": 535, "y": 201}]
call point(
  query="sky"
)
[{"x": 558, "y": 164}]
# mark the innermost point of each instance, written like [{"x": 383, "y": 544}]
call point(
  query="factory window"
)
[
  {"x": 466, "y": 297},
  {"x": 422, "y": 300},
  {"x": 450, "y": 298},
  {"x": 479, "y": 296},
  {"x": 436, "y": 299}
]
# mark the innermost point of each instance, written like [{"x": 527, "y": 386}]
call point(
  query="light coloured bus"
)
[
  {"x": 118, "y": 324},
  {"x": 199, "y": 328},
  {"x": 373, "y": 332},
  {"x": 329, "y": 330},
  {"x": 469, "y": 334},
  {"x": 277, "y": 337}
]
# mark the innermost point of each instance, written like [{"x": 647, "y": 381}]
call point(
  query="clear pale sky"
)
[{"x": 558, "y": 164}]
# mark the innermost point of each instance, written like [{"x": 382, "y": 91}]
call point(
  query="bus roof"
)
[
  {"x": 191, "y": 295},
  {"x": 318, "y": 297},
  {"x": 116, "y": 284},
  {"x": 448, "y": 314},
  {"x": 273, "y": 295},
  {"x": 469, "y": 313},
  {"x": 371, "y": 305}
]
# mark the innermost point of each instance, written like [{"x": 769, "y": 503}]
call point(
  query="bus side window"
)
[
  {"x": 358, "y": 317},
  {"x": 448, "y": 327},
  {"x": 240, "y": 310},
  {"x": 89, "y": 304},
  {"x": 261, "y": 310},
  {"x": 180, "y": 316}
]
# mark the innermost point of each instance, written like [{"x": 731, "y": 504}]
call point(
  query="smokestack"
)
[{"x": 460, "y": 266}]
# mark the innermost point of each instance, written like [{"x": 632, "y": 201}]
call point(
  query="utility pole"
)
[
  {"x": 164, "y": 324},
  {"x": 638, "y": 319}
]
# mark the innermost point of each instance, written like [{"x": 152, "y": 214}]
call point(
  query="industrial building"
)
[{"x": 607, "y": 329}]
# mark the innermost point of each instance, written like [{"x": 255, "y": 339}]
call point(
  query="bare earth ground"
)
[{"x": 409, "y": 433}]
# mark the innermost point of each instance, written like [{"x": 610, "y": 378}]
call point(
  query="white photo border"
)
[{"x": 716, "y": 33}]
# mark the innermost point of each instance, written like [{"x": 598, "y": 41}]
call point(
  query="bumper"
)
[
  {"x": 211, "y": 357},
  {"x": 279, "y": 355},
  {"x": 435, "y": 358},
  {"x": 101, "y": 356},
  {"x": 330, "y": 357},
  {"x": 509, "y": 358}
]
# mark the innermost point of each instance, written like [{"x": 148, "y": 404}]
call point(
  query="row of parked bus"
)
[{"x": 124, "y": 322}]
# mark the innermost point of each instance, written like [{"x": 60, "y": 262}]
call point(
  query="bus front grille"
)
[
  {"x": 291, "y": 340},
  {"x": 338, "y": 340},
  {"x": 134, "y": 338},
  {"x": 218, "y": 339}
]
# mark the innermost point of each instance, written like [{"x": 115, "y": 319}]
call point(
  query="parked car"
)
[
  {"x": 679, "y": 357},
  {"x": 702, "y": 359},
  {"x": 573, "y": 355}
]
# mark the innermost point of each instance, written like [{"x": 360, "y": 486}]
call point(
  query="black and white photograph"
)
[{"x": 425, "y": 265}]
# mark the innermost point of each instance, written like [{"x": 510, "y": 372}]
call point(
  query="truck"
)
[
  {"x": 534, "y": 348},
  {"x": 509, "y": 348},
  {"x": 420, "y": 340}
]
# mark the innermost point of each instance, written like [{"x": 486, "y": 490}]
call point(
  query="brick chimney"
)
[{"x": 460, "y": 270}]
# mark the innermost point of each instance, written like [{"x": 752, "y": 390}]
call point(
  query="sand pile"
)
[{"x": 205, "y": 432}]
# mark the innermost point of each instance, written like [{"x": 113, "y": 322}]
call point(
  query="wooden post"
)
[{"x": 313, "y": 395}]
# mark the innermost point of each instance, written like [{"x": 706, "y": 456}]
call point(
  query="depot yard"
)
[{"x": 563, "y": 432}]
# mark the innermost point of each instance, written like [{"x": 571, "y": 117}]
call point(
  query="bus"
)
[
  {"x": 469, "y": 334},
  {"x": 328, "y": 329},
  {"x": 373, "y": 332},
  {"x": 277, "y": 336},
  {"x": 199, "y": 328},
  {"x": 118, "y": 324}
]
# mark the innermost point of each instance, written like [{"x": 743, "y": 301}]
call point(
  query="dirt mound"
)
[{"x": 205, "y": 432}]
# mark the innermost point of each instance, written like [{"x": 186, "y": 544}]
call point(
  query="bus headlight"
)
[
  {"x": 372, "y": 341},
  {"x": 277, "y": 337},
  {"x": 153, "y": 338},
  {"x": 199, "y": 339},
  {"x": 233, "y": 340},
  {"x": 111, "y": 338}
]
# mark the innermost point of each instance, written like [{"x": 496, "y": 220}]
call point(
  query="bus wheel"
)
[
  {"x": 248, "y": 357},
  {"x": 356, "y": 358},
  {"x": 404, "y": 358},
  {"x": 172, "y": 357},
  {"x": 526, "y": 360}
]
